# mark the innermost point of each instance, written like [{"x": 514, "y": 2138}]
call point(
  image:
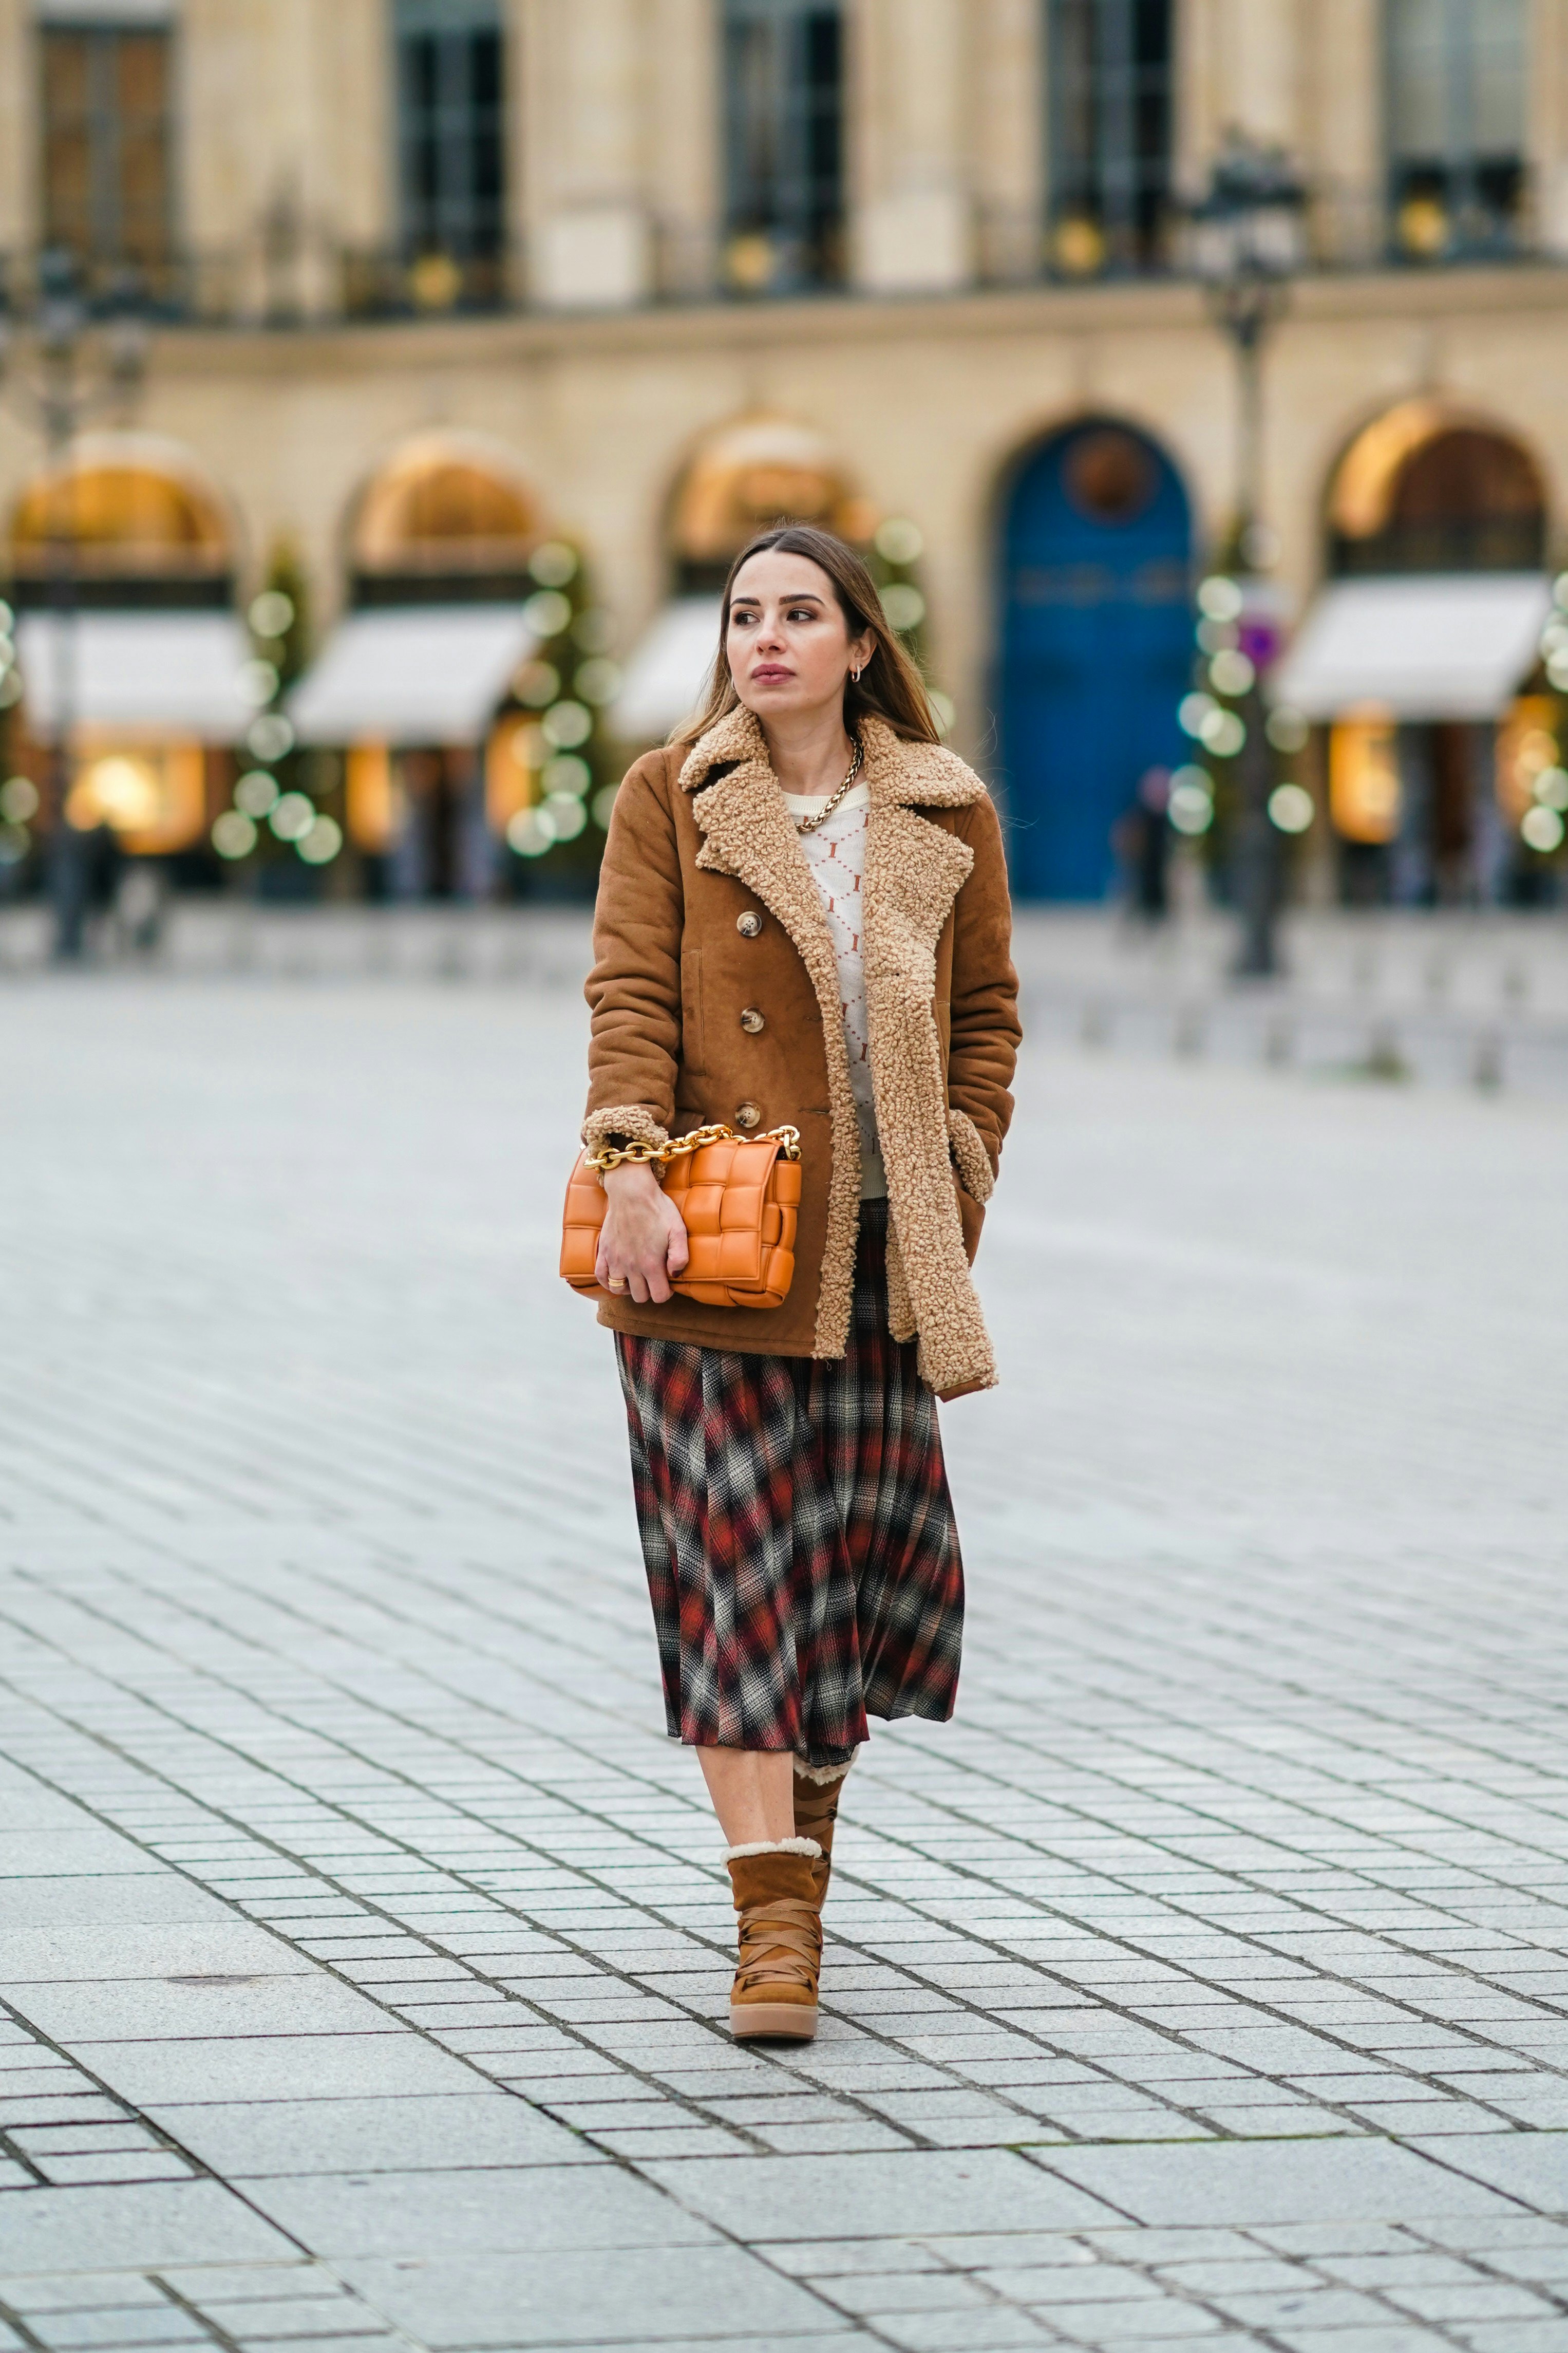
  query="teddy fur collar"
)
[
  {"x": 896, "y": 773},
  {"x": 914, "y": 870}
]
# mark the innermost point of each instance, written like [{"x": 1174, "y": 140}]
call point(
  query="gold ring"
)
[{"x": 615, "y": 1282}]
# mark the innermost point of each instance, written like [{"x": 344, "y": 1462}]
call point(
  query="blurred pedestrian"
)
[
  {"x": 803, "y": 920},
  {"x": 1143, "y": 843}
]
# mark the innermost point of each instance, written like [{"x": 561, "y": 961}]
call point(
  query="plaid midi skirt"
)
[{"x": 797, "y": 1532}]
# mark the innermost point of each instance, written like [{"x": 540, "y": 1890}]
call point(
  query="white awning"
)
[
  {"x": 664, "y": 679},
  {"x": 408, "y": 674},
  {"x": 149, "y": 674},
  {"x": 1426, "y": 645}
]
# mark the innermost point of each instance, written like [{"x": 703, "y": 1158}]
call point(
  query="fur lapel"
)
[
  {"x": 747, "y": 833},
  {"x": 915, "y": 871}
]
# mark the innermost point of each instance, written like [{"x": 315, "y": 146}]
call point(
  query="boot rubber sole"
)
[{"x": 777, "y": 2022}]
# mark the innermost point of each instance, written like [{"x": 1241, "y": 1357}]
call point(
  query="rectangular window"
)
[
  {"x": 451, "y": 136},
  {"x": 1109, "y": 98},
  {"x": 106, "y": 144},
  {"x": 1455, "y": 124},
  {"x": 784, "y": 87}
]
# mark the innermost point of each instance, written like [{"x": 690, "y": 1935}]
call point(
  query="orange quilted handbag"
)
[{"x": 738, "y": 1197}]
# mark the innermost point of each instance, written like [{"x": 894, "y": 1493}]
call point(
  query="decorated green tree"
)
[
  {"x": 893, "y": 559},
  {"x": 554, "y": 721},
  {"x": 277, "y": 821}
]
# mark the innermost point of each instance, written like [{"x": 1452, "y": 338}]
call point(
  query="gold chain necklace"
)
[{"x": 810, "y": 824}]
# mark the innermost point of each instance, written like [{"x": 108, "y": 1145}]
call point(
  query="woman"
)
[{"x": 803, "y": 920}]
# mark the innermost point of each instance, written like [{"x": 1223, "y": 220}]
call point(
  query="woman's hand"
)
[{"x": 642, "y": 1242}]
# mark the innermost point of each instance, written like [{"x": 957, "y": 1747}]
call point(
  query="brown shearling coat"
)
[{"x": 707, "y": 909}]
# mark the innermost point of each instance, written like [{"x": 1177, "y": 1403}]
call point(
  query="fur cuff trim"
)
[
  {"x": 821, "y": 1774},
  {"x": 808, "y": 1847},
  {"x": 621, "y": 1123},
  {"x": 970, "y": 1156}
]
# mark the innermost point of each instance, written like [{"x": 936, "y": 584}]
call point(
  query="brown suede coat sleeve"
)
[
  {"x": 639, "y": 925},
  {"x": 982, "y": 1029}
]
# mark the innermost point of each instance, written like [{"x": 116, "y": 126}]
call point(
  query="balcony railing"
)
[{"x": 1418, "y": 225}]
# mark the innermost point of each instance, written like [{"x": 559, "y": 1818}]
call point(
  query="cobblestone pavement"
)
[{"x": 363, "y": 1939}]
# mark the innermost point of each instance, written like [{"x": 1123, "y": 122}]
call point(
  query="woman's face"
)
[{"x": 788, "y": 643}]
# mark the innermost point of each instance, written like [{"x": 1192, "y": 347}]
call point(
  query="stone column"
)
[
  {"x": 583, "y": 71},
  {"x": 284, "y": 136},
  {"x": 1546, "y": 129},
  {"x": 19, "y": 158},
  {"x": 1343, "y": 138},
  {"x": 1007, "y": 135},
  {"x": 910, "y": 66},
  {"x": 683, "y": 142},
  {"x": 1239, "y": 67}
]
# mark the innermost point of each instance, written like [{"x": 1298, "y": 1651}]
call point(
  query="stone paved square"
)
[{"x": 362, "y": 1938}]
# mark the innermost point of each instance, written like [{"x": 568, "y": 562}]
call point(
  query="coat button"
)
[
  {"x": 747, "y": 1117},
  {"x": 749, "y": 924},
  {"x": 751, "y": 1021}
]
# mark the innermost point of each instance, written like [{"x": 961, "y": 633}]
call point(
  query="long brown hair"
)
[{"x": 889, "y": 686}]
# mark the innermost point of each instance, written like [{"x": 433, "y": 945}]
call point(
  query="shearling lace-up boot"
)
[
  {"x": 818, "y": 1790},
  {"x": 780, "y": 1940}
]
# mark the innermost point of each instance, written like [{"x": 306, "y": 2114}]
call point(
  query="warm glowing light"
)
[
  {"x": 320, "y": 844},
  {"x": 1291, "y": 808},
  {"x": 547, "y": 613},
  {"x": 294, "y": 815},
  {"x": 1077, "y": 247},
  {"x": 1542, "y": 831},
  {"x": 752, "y": 472},
  {"x": 904, "y": 606},
  {"x": 1287, "y": 731},
  {"x": 1364, "y": 779},
  {"x": 234, "y": 834},
  {"x": 1220, "y": 599},
  {"x": 1224, "y": 734},
  {"x": 271, "y": 613},
  {"x": 1191, "y": 805},
  {"x": 899, "y": 541},
  {"x": 1231, "y": 673},
  {"x": 598, "y": 680},
  {"x": 374, "y": 799},
  {"x": 511, "y": 755},
  {"x": 121, "y": 791},
  {"x": 1527, "y": 748},
  {"x": 567, "y": 724},
  {"x": 255, "y": 792},
  {"x": 530, "y": 832}
]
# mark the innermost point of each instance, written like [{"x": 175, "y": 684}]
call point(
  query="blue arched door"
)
[{"x": 1097, "y": 648}]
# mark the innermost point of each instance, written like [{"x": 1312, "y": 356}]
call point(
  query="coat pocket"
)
[
  {"x": 971, "y": 1217},
  {"x": 693, "y": 1044}
]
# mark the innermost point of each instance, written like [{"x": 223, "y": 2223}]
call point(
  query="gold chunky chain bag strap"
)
[{"x": 739, "y": 1196}]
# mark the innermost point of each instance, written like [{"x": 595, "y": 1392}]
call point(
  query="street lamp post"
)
[
  {"x": 1248, "y": 243},
  {"x": 59, "y": 394}
]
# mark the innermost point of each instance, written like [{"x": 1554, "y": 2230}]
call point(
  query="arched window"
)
[
  {"x": 1456, "y": 79},
  {"x": 448, "y": 520},
  {"x": 1109, "y": 95},
  {"x": 1430, "y": 489},
  {"x": 746, "y": 478},
  {"x": 784, "y": 93},
  {"x": 126, "y": 524}
]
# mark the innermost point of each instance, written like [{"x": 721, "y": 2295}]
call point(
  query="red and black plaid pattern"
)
[{"x": 798, "y": 1533}]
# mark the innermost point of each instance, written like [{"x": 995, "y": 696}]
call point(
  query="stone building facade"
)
[{"x": 931, "y": 240}]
